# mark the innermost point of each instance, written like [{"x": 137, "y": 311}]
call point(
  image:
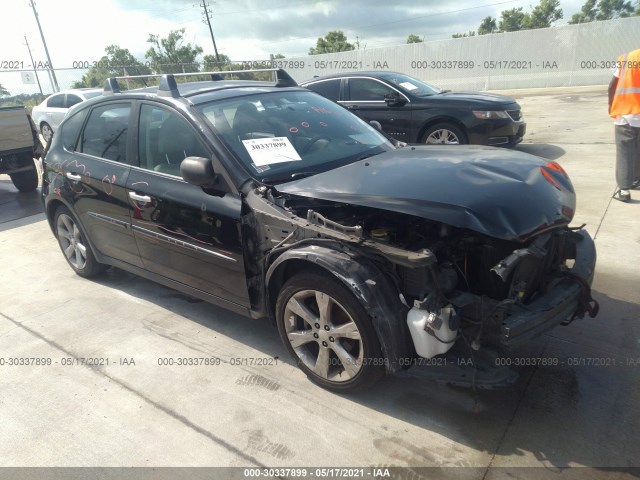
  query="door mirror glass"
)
[{"x": 394, "y": 99}]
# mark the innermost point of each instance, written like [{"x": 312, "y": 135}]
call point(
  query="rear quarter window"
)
[
  {"x": 56, "y": 101},
  {"x": 328, "y": 88},
  {"x": 69, "y": 131}
]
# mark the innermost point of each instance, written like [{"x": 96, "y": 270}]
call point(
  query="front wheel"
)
[
  {"x": 444, "y": 134},
  {"x": 76, "y": 250},
  {"x": 328, "y": 332}
]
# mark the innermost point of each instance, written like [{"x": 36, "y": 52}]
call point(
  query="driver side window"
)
[
  {"x": 368, "y": 90},
  {"x": 165, "y": 139}
]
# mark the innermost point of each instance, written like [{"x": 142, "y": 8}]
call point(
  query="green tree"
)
[
  {"x": 471, "y": 33},
  {"x": 276, "y": 56},
  {"x": 414, "y": 39},
  {"x": 171, "y": 54},
  {"x": 604, "y": 10},
  {"x": 609, "y": 9},
  {"x": 587, "y": 13},
  {"x": 3, "y": 91},
  {"x": 210, "y": 62},
  {"x": 512, "y": 20},
  {"x": 334, "y": 41},
  {"x": 543, "y": 14},
  {"x": 117, "y": 62},
  {"x": 488, "y": 25}
]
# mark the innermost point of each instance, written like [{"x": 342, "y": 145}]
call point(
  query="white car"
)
[{"x": 48, "y": 115}]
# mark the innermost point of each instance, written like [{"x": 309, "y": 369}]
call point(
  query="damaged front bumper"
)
[{"x": 568, "y": 299}]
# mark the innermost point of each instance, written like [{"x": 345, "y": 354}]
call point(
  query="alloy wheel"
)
[
  {"x": 71, "y": 241},
  {"x": 442, "y": 136},
  {"x": 323, "y": 336}
]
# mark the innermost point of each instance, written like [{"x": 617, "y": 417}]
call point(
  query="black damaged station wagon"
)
[{"x": 272, "y": 201}]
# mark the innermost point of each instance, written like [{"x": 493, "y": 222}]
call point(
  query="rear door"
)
[
  {"x": 182, "y": 232},
  {"x": 96, "y": 172},
  {"x": 364, "y": 96}
]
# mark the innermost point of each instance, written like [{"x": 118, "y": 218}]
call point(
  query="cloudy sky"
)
[{"x": 79, "y": 30}]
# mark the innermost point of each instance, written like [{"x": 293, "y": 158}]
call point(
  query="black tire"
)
[
  {"x": 75, "y": 248},
  {"x": 444, "y": 134},
  {"x": 343, "y": 336},
  {"x": 27, "y": 180},
  {"x": 47, "y": 132}
]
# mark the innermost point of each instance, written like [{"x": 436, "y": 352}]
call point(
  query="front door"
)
[
  {"x": 365, "y": 98},
  {"x": 182, "y": 232}
]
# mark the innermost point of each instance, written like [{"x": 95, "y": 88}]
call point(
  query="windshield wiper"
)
[
  {"x": 366, "y": 155},
  {"x": 292, "y": 176}
]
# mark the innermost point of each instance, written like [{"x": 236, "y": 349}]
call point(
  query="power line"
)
[
  {"x": 46, "y": 50},
  {"x": 206, "y": 14}
]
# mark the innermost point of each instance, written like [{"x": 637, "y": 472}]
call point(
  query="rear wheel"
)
[
  {"x": 47, "y": 131},
  {"x": 76, "y": 250},
  {"x": 27, "y": 180},
  {"x": 444, "y": 134},
  {"x": 328, "y": 333}
]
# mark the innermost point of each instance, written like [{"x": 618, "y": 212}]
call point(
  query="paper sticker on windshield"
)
[
  {"x": 266, "y": 151},
  {"x": 409, "y": 86}
]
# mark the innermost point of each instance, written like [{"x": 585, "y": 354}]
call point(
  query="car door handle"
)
[
  {"x": 352, "y": 107},
  {"x": 144, "y": 199},
  {"x": 73, "y": 177}
]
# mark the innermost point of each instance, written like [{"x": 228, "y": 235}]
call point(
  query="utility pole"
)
[
  {"x": 206, "y": 14},
  {"x": 46, "y": 50},
  {"x": 33, "y": 64}
]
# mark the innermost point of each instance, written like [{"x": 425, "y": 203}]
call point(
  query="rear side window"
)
[
  {"x": 69, "y": 131},
  {"x": 106, "y": 132},
  {"x": 72, "y": 100},
  {"x": 328, "y": 88},
  {"x": 56, "y": 101}
]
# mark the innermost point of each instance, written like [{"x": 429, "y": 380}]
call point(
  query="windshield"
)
[
  {"x": 279, "y": 136},
  {"x": 412, "y": 85}
]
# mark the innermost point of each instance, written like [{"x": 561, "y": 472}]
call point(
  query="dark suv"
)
[
  {"x": 412, "y": 111},
  {"x": 273, "y": 201}
]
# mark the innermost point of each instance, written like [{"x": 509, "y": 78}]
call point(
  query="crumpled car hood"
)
[{"x": 496, "y": 192}]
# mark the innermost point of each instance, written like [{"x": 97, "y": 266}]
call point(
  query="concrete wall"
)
[{"x": 569, "y": 55}]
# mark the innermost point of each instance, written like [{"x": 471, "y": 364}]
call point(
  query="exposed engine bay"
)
[{"x": 456, "y": 284}]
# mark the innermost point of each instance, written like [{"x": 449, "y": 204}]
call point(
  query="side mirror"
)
[
  {"x": 199, "y": 171},
  {"x": 394, "y": 99},
  {"x": 376, "y": 124}
]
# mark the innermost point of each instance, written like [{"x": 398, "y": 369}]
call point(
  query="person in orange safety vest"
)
[{"x": 624, "y": 107}]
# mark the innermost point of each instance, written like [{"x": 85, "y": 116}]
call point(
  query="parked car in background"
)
[
  {"x": 274, "y": 202},
  {"x": 413, "y": 111},
  {"x": 48, "y": 115},
  {"x": 19, "y": 145}
]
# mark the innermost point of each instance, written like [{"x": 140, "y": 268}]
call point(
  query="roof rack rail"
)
[{"x": 169, "y": 88}]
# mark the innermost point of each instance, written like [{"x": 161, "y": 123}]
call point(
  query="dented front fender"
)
[{"x": 365, "y": 280}]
